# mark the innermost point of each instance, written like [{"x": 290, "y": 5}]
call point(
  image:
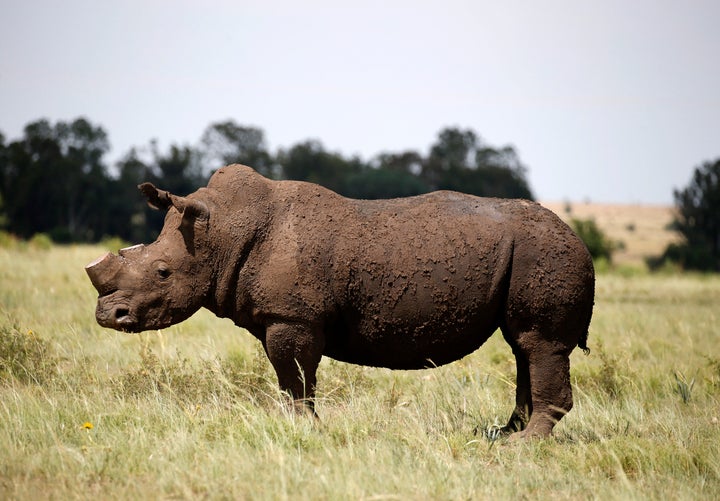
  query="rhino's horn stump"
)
[{"x": 102, "y": 271}]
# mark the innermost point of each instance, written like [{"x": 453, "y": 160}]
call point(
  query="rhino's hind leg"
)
[
  {"x": 295, "y": 351},
  {"x": 523, "y": 403},
  {"x": 549, "y": 384}
]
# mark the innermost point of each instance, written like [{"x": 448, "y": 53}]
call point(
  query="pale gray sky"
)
[{"x": 612, "y": 101}]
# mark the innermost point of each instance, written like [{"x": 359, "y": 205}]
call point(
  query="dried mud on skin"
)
[{"x": 403, "y": 283}]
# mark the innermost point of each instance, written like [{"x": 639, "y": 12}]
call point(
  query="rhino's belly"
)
[
  {"x": 406, "y": 344},
  {"x": 419, "y": 318}
]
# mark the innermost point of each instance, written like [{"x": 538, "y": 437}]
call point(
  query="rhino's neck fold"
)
[
  {"x": 228, "y": 296},
  {"x": 246, "y": 214}
]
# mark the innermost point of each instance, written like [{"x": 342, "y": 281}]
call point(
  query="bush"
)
[
  {"x": 598, "y": 244},
  {"x": 41, "y": 241},
  {"x": 685, "y": 256},
  {"x": 698, "y": 220},
  {"x": 8, "y": 240},
  {"x": 113, "y": 244},
  {"x": 25, "y": 357}
]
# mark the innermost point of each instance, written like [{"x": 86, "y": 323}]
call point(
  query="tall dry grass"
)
[{"x": 193, "y": 412}]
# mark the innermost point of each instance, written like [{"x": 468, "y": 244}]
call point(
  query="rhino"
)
[{"x": 407, "y": 283}]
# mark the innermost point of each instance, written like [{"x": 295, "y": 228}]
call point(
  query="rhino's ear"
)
[
  {"x": 191, "y": 209},
  {"x": 157, "y": 199}
]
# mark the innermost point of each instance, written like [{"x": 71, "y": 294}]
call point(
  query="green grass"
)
[{"x": 192, "y": 412}]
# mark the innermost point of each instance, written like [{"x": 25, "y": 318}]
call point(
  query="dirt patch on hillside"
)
[{"x": 642, "y": 229}]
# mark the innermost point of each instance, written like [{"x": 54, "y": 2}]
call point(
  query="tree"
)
[
  {"x": 383, "y": 182},
  {"x": 85, "y": 186},
  {"x": 501, "y": 173},
  {"x": 309, "y": 161},
  {"x": 460, "y": 161},
  {"x": 53, "y": 180},
  {"x": 698, "y": 220},
  {"x": 179, "y": 170},
  {"x": 407, "y": 161},
  {"x": 391, "y": 175},
  {"x": 227, "y": 143},
  {"x": 452, "y": 153},
  {"x": 3, "y": 163},
  {"x": 133, "y": 220}
]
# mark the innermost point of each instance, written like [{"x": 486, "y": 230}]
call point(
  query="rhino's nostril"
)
[{"x": 121, "y": 313}]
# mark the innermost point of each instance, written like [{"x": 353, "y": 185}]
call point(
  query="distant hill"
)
[{"x": 642, "y": 229}]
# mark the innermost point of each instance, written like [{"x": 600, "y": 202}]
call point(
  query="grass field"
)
[{"x": 192, "y": 412}]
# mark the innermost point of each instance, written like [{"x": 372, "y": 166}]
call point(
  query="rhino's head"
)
[{"x": 155, "y": 286}]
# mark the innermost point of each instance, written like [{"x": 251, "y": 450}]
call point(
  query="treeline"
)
[{"x": 55, "y": 179}]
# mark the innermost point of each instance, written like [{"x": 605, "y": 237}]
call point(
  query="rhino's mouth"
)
[
  {"x": 120, "y": 320},
  {"x": 109, "y": 292},
  {"x": 115, "y": 316},
  {"x": 123, "y": 320},
  {"x": 122, "y": 310}
]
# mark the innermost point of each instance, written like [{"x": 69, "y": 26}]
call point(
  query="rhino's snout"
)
[{"x": 118, "y": 317}]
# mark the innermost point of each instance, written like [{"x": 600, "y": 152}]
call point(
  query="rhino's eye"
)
[{"x": 163, "y": 272}]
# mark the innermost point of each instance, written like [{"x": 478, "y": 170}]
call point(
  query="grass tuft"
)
[
  {"x": 222, "y": 382},
  {"x": 25, "y": 357},
  {"x": 684, "y": 388}
]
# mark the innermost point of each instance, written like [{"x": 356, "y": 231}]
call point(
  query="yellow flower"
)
[{"x": 87, "y": 425}]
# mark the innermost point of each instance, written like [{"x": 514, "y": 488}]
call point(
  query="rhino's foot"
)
[
  {"x": 540, "y": 426},
  {"x": 527, "y": 434},
  {"x": 517, "y": 422},
  {"x": 305, "y": 407},
  {"x": 517, "y": 436}
]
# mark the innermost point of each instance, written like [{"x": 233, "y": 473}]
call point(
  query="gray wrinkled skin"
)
[{"x": 405, "y": 283}]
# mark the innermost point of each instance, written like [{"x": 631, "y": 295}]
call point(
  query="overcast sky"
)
[{"x": 611, "y": 101}]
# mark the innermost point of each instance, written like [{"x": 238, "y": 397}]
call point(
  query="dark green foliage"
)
[
  {"x": 698, "y": 220},
  {"x": 460, "y": 161},
  {"x": 598, "y": 244},
  {"x": 373, "y": 183},
  {"x": 54, "y": 179},
  {"x": 228, "y": 143},
  {"x": 179, "y": 170},
  {"x": 309, "y": 161},
  {"x": 687, "y": 256}
]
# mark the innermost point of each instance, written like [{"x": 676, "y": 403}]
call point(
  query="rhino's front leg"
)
[{"x": 295, "y": 351}]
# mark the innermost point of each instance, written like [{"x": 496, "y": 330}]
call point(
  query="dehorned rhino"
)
[{"x": 406, "y": 283}]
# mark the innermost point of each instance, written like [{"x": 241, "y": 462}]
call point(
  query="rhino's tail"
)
[{"x": 582, "y": 342}]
